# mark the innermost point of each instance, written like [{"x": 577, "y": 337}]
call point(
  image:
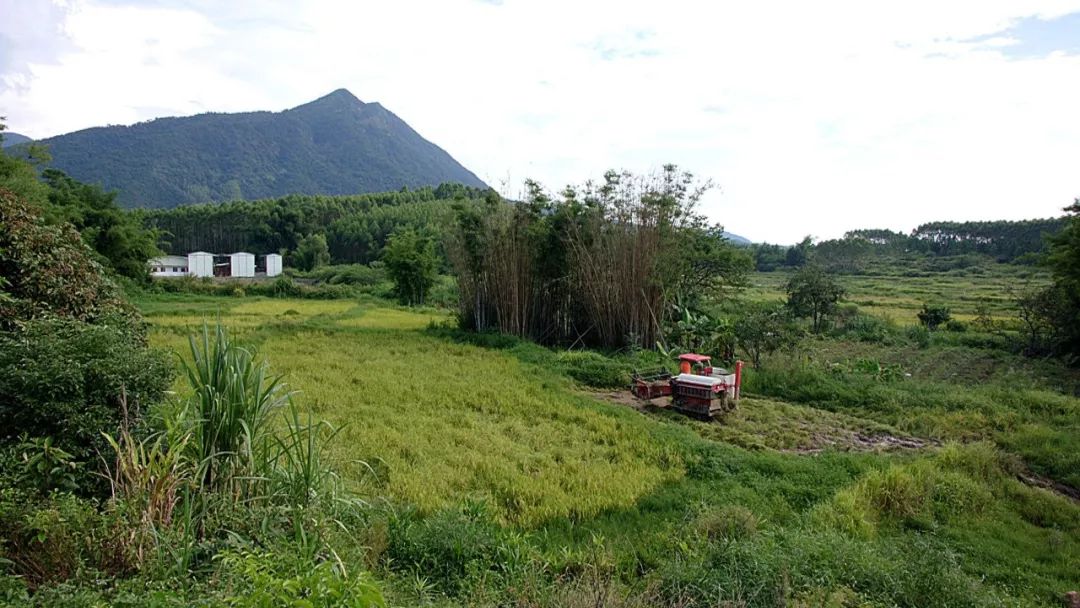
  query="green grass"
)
[
  {"x": 900, "y": 298},
  {"x": 508, "y": 482}
]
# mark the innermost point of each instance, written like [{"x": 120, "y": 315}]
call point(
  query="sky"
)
[{"x": 812, "y": 118}]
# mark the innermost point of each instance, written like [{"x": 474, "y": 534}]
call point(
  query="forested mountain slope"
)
[
  {"x": 12, "y": 139},
  {"x": 334, "y": 145}
]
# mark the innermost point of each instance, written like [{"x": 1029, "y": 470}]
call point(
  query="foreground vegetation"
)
[{"x": 509, "y": 483}]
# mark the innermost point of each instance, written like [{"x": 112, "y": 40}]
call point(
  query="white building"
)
[
  {"x": 169, "y": 266},
  {"x": 242, "y": 264},
  {"x": 200, "y": 264},
  {"x": 273, "y": 264}
]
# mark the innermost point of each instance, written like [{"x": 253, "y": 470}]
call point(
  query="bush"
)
[
  {"x": 52, "y": 539},
  {"x": 281, "y": 287},
  {"x": 347, "y": 274},
  {"x": 284, "y": 287},
  {"x": 919, "y": 335},
  {"x": 868, "y": 328},
  {"x": 73, "y": 381},
  {"x": 263, "y": 579},
  {"x": 955, "y": 326},
  {"x": 453, "y": 545},
  {"x": 933, "y": 316},
  {"x": 47, "y": 270}
]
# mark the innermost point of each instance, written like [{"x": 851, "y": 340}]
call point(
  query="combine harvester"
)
[{"x": 700, "y": 390}]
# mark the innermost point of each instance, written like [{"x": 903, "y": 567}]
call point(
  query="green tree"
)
[
  {"x": 21, "y": 178},
  {"x": 798, "y": 254},
  {"x": 764, "y": 329},
  {"x": 120, "y": 240},
  {"x": 47, "y": 271},
  {"x": 412, "y": 263},
  {"x": 1061, "y": 308},
  {"x": 934, "y": 315},
  {"x": 312, "y": 252},
  {"x": 813, "y": 293},
  {"x": 706, "y": 263}
]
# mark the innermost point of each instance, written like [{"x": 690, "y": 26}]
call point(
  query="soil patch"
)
[{"x": 781, "y": 426}]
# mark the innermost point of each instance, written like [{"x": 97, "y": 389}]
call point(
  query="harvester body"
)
[{"x": 699, "y": 390}]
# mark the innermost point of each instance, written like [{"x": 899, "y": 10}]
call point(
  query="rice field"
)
[
  {"x": 432, "y": 422},
  {"x": 901, "y": 298},
  {"x": 781, "y": 496}
]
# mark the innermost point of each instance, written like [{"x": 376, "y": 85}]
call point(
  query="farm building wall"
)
[
  {"x": 169, "y": 266},
  {"x": 242, "y": 264},
  {"x": 273, "y": 265},
  {"x": 201, "y": 264}
]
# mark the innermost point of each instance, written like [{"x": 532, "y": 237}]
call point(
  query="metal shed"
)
[
  {"x": 200, "y": 264},
  {"x": 273, "y": 264},
  {"x": 242, "y": 264}
]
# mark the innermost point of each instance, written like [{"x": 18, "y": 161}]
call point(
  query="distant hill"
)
[
  {"x": 737, "y": 240},
  {"x": 13, "y": 139},
  {"x": 336, "y": 144}
]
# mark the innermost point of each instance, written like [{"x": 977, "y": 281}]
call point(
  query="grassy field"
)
[
  {"x": 509, "y": 481},
  {"x": 900, "y": 298}
]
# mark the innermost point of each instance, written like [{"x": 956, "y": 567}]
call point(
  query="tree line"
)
[
  {"x": 355, "y": 228},
  {"x": 1005, "y": 241},
  {"x": 116, "y": 239}
]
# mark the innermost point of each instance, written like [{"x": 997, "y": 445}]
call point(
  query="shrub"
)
[
  {"x": 955, "y": 326},
  {"x": 73, "y": 381},
  {"x": 868, "y": 328},
  {"x": 51, "y": 539},
  {"x": 263, "y": 579},
  {"x": 47, "y": 270},
  {"x": 452, "y": 545},
  {"x": 47, "y": 467},
  {"x": 284, "y": 287},
  {"x": 933, "y": 316},
  {"x": 919, "y": 335},
  {"x": 347, "y": 274}
]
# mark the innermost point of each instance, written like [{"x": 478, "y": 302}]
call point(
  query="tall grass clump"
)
[
  {"x": 235, "y": 464},
  {"x": 233, "y": 398}
]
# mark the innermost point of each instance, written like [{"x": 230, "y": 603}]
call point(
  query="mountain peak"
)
[
  {"x": 338, "y": 96},
  {"x": 13, "y": 139},
  {"x": 335, "y": 144}
]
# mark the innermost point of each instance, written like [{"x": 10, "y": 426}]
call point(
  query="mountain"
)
[
  {"x": 13, "y": 139},
  {"x": 336, "y": 144},
  {"x": 738, "y": 241}
]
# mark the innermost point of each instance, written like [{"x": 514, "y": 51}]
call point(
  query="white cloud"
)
[{"x": 814, "y": 118}]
